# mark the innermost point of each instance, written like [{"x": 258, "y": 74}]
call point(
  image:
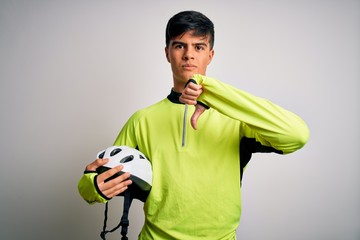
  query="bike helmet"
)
[{"x": 140, "y": 171}]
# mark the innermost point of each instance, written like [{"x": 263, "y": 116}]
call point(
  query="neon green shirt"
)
[{"x": 196, "y": 187}]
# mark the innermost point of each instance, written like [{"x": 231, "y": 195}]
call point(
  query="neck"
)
[{"x": 178, "y": 86}]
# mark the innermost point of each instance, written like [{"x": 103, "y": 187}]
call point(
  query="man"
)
[{"x": 197, "y": 170}]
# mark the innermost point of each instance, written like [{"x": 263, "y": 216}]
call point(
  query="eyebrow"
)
[{"x": 182, "y": 43}]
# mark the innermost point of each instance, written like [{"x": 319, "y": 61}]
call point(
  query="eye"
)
[
  {"x": 178, "y": 46},
  {"x": 127, "y": 159},
  {"x": 101, "y": 155},
  {"x": 199, "y": 48},
  {"x": 115, "y": 151},
  {"x": 142, "y": 157}
]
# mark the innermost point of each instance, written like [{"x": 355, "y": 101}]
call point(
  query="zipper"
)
[{"x": 184, "y": 126}]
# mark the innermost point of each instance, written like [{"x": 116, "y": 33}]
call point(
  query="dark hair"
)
[{"x": 188, "y": 21}]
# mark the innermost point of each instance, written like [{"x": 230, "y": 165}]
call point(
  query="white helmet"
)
[
  {"x": 140, "y": 169},
  {"x": 135, "y": 163}
]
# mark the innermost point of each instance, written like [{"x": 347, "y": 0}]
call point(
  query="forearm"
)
[
  {"x": 273, "y": 125},
  {"x": 88, "y": 190}
]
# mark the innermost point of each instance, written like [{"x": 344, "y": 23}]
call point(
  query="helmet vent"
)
[
  {"x": 127, "y": 159},
  {"x": 101, "y": 155},
  {"x": 115, "y": 151}
]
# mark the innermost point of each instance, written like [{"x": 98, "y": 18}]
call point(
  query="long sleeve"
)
[
  {"x": 269, "y": 123},
  {"x": 88, "y": 190}
]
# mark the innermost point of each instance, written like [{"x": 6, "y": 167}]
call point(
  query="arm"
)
[
  {"x": 94, "y": 188},
  {"x": 270, "y": 124}
]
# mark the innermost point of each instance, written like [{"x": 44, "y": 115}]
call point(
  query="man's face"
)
[{"x": 188, "y": 55}]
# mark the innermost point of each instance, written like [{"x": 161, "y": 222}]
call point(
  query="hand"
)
[
  {"x": 199, "y": 109},
  {"x": 113, "y": 187},
  {"x": 189, "y": 96},
  {"x": 190, "y": 93}
]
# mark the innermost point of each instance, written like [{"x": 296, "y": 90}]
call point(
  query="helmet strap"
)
[
  {"x": 124, "y": 223},
  {"x": 125, "y": 219}
]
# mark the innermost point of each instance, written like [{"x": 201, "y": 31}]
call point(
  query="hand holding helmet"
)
[
  {"x": 118, "y": 167},
  {"x": 113, "y": 187},
  {"x": 133, "y": 162}
]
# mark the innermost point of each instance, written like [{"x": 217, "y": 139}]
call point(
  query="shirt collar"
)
[{"x": 174, "y": 97}]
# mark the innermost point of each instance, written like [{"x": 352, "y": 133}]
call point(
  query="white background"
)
[{"x": 72, "y": 73}]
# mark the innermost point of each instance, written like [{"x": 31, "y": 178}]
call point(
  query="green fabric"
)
[
  {"x": 268, "y": 123},
  {"x": 87, "y": 189},
  {"x": 196, "y": 188}
]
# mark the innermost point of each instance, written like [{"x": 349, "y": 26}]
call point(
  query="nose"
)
[{"x": 188, "y": 54}]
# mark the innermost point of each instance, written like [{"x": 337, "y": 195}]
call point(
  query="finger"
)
[
  {"x": 186, "y": 100},
  {"x": 117, "y": 189},
  {"x": 189, "y": 96},
  {"x": 199, "y": 109},
  {"x": 192, "y": 90},
  {"x": 95, "y": 164},
  {"x": 116, "y": 185},
  {"x": 109, "y": 173},
  {"x": 192, "y": 87}
]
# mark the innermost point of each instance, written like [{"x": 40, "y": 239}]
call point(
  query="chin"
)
[
  {"x": 184, "y": 78},
  {"x": 189, "y": 76}
]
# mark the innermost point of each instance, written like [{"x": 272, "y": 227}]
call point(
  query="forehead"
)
[{"x": 191, "y": 36}]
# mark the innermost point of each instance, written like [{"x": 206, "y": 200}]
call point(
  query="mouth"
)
[{"x": 188, "y": 67}]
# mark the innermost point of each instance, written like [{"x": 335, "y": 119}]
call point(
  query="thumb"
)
[
  {"x": 95, "y": 164},
  {"x": 199, "y": 109}
]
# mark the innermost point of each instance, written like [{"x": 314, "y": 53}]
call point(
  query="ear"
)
[
  {"x": 211, "y": 55},
  {"x": 167, "y": 54}
]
